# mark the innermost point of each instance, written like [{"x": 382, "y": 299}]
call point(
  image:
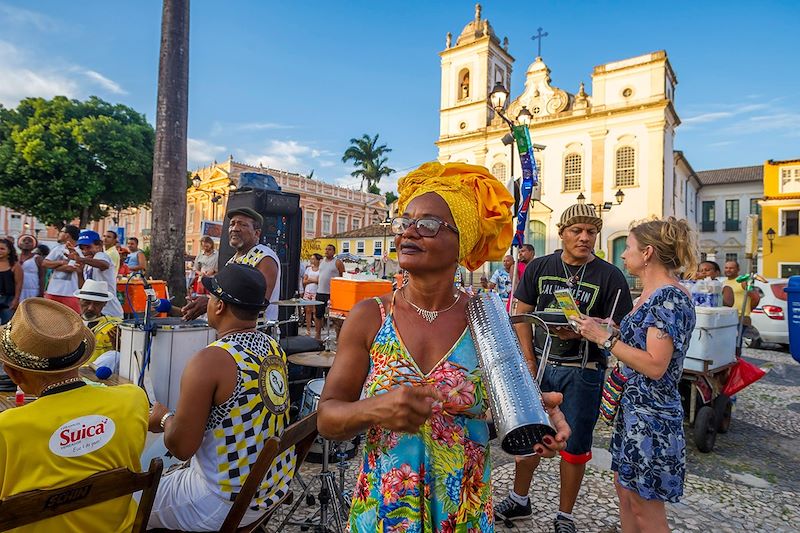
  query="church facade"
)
[{"x": 616, "y": 135}]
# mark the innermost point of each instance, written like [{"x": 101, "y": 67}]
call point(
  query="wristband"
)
[{"x": 164, "y": 418}]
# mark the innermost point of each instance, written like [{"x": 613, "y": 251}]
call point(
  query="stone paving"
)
[{"x": 750, "y": 482}]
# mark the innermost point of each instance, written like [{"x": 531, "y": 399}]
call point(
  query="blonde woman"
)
[{"x": 648, "y": 447}]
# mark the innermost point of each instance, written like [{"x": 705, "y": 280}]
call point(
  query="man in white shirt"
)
[
  {"x": 97, "y": 265},
  {"x": 64, "y": 279}
]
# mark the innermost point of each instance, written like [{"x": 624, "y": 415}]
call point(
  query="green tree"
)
[
  {"x": 62, "y": 159},
  {"x": 391, "y": 198},
  {"x": 369, "y": 159}
]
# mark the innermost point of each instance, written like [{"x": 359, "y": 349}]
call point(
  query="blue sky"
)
[{"x": 289, "y": 83}]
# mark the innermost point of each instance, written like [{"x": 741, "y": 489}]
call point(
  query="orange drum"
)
[{"x": 135, "y": 291}]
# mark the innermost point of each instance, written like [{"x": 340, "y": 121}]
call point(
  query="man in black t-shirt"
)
[{"x": 576, "y": 367}]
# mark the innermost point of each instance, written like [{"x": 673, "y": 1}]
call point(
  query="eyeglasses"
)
[{"x": 426, "y": 227}]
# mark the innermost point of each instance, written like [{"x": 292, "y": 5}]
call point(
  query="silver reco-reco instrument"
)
[{"x": 515, "y": 398}]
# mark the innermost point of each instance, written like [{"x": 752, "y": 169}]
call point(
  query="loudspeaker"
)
[{"x": 281, "y": 232}]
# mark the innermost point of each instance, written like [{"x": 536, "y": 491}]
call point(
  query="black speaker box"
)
[{"x": 281, "y": 231}]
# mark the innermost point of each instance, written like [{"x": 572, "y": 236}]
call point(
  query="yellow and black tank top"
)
[
  {"x": 257, "y": 409},
  {"x": 105, "y": 335}
]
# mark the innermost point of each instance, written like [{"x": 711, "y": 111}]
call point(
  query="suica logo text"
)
[{"x": 82, "y": 435}]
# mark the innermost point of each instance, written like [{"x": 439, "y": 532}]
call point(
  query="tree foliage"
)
[
  {"x": 369, "y": 159},
  {"x": 62, "y": 159}
]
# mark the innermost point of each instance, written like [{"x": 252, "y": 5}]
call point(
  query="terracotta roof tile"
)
[{"x": 731, "y": 175}]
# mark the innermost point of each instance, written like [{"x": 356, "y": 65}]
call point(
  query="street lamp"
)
[
  {"x": 213, "y": 195},
  {"x": 770, "y": 238},
  {"x": 601, "y": 207}
]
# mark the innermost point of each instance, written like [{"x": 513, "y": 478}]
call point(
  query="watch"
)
[{"x": 609, "y": 343}]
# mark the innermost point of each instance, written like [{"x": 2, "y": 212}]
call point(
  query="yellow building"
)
[
  {"x": 370, "y": 243},
  {"x": 780, "y": 210}
]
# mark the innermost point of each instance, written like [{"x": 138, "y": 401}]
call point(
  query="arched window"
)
[
  {"x": 463, "y": 84},
  {"x": 625, "y": 171},
  {"x": 573, "y": 172},
  {"x": 499, "y": 171}
]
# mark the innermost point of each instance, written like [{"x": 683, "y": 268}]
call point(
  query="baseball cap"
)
[
  {"x": 239, "y": 285},
  {"x": 88, "y": 236},
  {"x": 248, "y": 212}
]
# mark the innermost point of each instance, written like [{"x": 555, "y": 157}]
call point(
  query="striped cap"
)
[{"x": 580, "y": 214}]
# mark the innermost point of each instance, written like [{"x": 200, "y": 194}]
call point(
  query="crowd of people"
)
[{"x": 406, "y": 371}]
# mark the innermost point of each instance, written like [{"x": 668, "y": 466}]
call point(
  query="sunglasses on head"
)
[{"x": 426, "y": 227}]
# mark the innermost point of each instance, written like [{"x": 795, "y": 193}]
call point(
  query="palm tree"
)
[
  {"x": 169, "y": 159},
  {"x": 368, "y": 158}
]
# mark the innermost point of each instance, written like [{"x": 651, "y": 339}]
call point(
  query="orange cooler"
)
[
  {"x": 135, "y": 289},
  {"x": 345, "y": 293}
]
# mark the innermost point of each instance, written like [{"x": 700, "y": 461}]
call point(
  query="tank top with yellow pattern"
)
[
  {"x": 252, "y": 258},
  {"x": 105, "y": 336},
  {"x": 236, "y": 430}
]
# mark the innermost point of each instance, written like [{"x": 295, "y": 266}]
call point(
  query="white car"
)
[{"x": 770, "y": 318}]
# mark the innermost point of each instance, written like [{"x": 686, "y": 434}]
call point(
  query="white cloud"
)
[
  {"x": 292, "y": 156},
  {"x": 109, "y": 85},
  {"x": 201, "y": 153},
  {"x": 24, "y": 75},
  {"x": 707, "y": 117},
  {"x": 12, "y": 16}
]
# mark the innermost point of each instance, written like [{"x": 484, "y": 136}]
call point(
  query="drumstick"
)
[{"x": 613, "y": 308}]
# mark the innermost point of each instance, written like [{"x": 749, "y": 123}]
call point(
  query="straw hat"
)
[
  {"x": 45, "y": 336},
  {"x": 94, "y": 290}
]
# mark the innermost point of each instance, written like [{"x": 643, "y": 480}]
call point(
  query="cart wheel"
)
[
  {"x": 724, "y": 408},
  {"x": 705, "y": 428}
]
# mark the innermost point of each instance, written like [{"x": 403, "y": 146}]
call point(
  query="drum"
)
[
  {"x": 172, "y": 344},
  {"x": 311, "y": 396}
]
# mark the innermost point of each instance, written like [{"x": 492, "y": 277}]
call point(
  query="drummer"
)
[
  {"x": 244, "y": 232},
  {"x": 424, "y": 404}
]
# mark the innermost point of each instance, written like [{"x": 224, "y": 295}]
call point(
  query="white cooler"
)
[
  {"x": 174, "y": 342},
  {"x": 713, "y": 339}
]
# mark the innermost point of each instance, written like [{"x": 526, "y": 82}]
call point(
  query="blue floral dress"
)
[{"x": 648, "y": 447}]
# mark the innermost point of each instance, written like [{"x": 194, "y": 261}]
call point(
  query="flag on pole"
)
[{"x": 530, "y": 179}]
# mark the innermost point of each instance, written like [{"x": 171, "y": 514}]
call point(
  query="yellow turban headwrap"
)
[{"x": 481, "y": 207}]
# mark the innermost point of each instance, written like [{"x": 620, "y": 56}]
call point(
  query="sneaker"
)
[
  {"x": 564, "y": 525},
  {"x": 508, "y": 509}
]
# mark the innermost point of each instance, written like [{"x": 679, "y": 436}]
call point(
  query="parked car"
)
[{"x": 770, "y": 317}]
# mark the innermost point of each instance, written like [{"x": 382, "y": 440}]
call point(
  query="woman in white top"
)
[
  {"x": 32, "y": 269},
  {"x": 310, "y": 280},
  {"x": 205, "y": 265}
]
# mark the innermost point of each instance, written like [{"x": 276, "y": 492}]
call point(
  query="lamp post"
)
[
  {"x": 770, "y": 238},
  {"x": 601, "y": 207},
  {"x": 214, "y": 195},
  {"x": 497, "y": 101}
]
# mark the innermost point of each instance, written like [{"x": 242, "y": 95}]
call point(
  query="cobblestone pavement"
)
[{"x": 750, "y": 482}]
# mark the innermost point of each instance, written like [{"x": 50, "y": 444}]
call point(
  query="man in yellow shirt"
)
[
  {"x": 733, "y": 292},
  {"x": 72, "y": 430}
]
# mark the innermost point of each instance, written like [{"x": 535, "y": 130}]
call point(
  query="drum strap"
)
[{"x": 383, "y": 310}]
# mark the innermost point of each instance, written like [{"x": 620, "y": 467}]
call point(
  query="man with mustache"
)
[
  {"x": 93, "y": 297},
  {"x": 244, "y": 232},
  {"x": 576, "y": 367}
]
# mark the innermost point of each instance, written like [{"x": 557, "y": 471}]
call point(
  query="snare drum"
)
[{"x": 311, "y": 396}]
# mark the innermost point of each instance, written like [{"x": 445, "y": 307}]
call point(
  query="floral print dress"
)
[
  {"x": 436, "y": 480},
  {"x": 648, "y": 447}
]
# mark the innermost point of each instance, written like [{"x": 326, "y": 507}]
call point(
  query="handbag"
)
[{"x": 612, "y": 392}]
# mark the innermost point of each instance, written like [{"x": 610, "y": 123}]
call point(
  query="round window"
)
[
  {"x": 627, "y": 92},
  {"x": 463, "y": 125}
]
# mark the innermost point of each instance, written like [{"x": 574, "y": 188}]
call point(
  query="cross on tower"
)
[{"x": 539, "y": 36}]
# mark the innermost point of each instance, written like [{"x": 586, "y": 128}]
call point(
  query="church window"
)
[
  {"x": 463, "y": 84},
  {"x": 536, "y": 110},
  {"x": 625, "y": 172},
  {"x": 573, "y": 172},
  {"x": 499, "y": 171},
  {"x": 627, "y": 92}
]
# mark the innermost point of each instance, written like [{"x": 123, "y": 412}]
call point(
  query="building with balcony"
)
[
  {"x": 725, "y": 199},
  {"x": 327, "y": 209},
  {"x": 781, "y": 215}
]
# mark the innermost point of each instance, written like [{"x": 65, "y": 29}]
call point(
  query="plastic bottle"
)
[{"x": 19, "y": 397}]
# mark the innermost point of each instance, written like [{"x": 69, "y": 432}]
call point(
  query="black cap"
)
[
  {"x": 240, "y": 285},
  {"x": 248, "y": 212}
]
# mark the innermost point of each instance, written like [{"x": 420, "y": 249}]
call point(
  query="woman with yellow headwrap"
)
[{"x": 411, "y": 358}]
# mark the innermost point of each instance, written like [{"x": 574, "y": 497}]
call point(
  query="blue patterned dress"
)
[{"x": 648, "y": 447}]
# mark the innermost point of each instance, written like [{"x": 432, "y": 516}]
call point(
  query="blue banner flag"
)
[{"x": 530, "y": 179}]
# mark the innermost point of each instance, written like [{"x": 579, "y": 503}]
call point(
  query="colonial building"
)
[
  {"x": 370, "y": 244},
  {"x": 327, "y": 208},
  {"x": 13, "y": 224},
  {"x": 614, "y": 135},
  {"x": 725, "y": 199},
  {"x": 781, "y": 214}
]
